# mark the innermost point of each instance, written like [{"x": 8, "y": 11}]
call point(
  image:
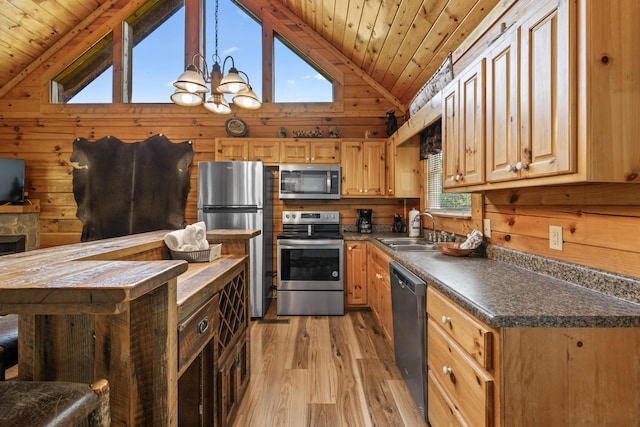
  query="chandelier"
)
[{"x": 191, "y": 86}]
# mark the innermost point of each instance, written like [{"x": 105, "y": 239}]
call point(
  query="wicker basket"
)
[{"x": 205, "y": 255}]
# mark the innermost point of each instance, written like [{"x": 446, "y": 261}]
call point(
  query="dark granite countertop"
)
[{"x": 504, "y": 294}]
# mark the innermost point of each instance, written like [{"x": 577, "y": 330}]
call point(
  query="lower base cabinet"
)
[
  {"x": 380, "y": 290},
  {"x": 232, "y": 380},
  {"x": 212, "y": 384},
  {"x": 528, "y": 377}
]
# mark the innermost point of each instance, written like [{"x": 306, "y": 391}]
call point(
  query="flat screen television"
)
[{"x": 11, "y": 181}]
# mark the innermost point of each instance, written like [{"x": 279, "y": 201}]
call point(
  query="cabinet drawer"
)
[
  {"x": 473, "y": 337},
  {"x": 469, "y": 386},
  {"x": 442, "y": 411},
  {"x": 196, "y": 331}
]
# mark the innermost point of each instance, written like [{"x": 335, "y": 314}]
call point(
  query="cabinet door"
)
[
  {"x": 363, "y": 168},
  {"x": 390, "y": 170},
  {"x": 295, "y": 152},
  {"x": 356, "y": 277},
  {"x": 373, "y": 168},
  {"x": 450, "y": 137},
  {"x": 352, "y": 177},
  {"x": 386, "y": 314},
  {"x": 503, "y": 143},
  {"x": 548, "y": 147},
  {"x": 231, "y": 149},
  {"x": 463, "y": 128},
  {"x": 267, "y": 152},
  {"x": 471, "y": 125},
  {"x": 324, "y": 152}
]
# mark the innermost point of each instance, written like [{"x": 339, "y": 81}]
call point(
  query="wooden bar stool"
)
[{"x": 54, "y": 403}]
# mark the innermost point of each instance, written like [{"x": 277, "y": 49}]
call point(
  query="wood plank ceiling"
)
[{"x": 399, "y": 43}]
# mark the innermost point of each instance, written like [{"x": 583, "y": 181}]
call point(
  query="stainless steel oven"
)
[{"x": 310, "y": 264}]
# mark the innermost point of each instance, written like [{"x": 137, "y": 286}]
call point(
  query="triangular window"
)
[
  {"x": 89, "y": 78},
  {"x": 296, "y": 78},
  {"x": 153, "y": 56}
]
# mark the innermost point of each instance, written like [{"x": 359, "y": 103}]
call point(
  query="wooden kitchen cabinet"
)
[
  {"x": 232, "y": 379},
  {"x": 460, "y": 364},
  {"x": 530, "y": 377},
  {"x": 232, "y": 149},
  {"x": 403, "y": 177},
  {"x": 356, "y": 276},
  {"x": 320, "y": 151},
  {"x": 256, "y": 149},
  {"x": 363, "y": 167},
  {"x": 213, "y": 352},
  {"x": 463, "y": 133},
  {"x": 539, "y": 98},
  {"x": 560, "y": 106},
  {"x": 380, "y": 290}
]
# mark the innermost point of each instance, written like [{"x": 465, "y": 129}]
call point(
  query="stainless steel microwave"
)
[{"x": 311, "y": 182}]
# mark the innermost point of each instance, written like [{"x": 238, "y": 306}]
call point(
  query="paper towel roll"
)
[{"x": 414, "y": 226}]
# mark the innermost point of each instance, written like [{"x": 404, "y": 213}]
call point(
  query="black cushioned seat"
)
[
  {"x": 52, "y": 403},
  {"x": 8, "y": 342}
]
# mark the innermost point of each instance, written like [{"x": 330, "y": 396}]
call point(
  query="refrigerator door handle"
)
[{"x": 232, "y": 208}]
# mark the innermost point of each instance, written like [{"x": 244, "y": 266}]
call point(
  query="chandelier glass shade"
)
[
  {"x": 191, "y": 86},
  {"x": 186, "y": 98}
]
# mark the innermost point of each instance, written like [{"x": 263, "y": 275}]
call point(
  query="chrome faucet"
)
[{"x": 418, "y": 219}]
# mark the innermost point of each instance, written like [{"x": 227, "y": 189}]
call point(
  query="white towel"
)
[
  {"x": 474, "y": 239},
  {"x": 195, "y": 235},
  {"x": 174, "y": 240}
]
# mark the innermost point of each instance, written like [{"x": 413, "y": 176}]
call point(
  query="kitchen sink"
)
[{"x": 408, "y": 243}]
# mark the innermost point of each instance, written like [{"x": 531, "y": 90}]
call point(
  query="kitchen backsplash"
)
[{"x": 619, "y": 286}]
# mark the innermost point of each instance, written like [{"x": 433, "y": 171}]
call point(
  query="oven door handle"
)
[{"x": 311, "y": 243}]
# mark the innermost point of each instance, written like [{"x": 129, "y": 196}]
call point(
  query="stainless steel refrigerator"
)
[{"x": 238, "y": 195}]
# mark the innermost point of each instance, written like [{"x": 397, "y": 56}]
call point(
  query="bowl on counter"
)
[{"x": 453, "y": 249}]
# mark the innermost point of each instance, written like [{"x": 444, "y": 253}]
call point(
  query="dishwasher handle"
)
[{"x": 406, "y": 279}]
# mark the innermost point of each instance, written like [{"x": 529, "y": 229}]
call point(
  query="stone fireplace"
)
[{"x": 17, "y": 223}]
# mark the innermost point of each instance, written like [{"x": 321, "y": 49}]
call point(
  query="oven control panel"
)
[{"x": 306, "y": 217}]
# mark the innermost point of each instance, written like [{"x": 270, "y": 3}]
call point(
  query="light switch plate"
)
[
  {"x": 486, "y": 228},
  {"x": 555, "y": 237}
]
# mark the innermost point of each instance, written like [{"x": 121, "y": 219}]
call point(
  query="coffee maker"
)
[{"x": 363, "y": 221}]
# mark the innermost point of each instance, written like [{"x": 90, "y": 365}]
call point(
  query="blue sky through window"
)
[{"x": 158, "y": 61}]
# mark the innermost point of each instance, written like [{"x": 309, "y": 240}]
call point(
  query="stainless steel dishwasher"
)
[{"x": 408, "y": 298}]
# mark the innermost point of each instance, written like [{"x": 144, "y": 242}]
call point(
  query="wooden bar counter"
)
[{"x": 113, "y": 308}]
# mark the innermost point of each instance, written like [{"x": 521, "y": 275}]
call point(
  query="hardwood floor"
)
[{"x": 324, "y": 371}]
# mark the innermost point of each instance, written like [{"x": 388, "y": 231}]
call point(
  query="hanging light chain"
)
[{"x": 216, "y": 58}]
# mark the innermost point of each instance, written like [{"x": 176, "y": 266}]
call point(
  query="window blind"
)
[{"x": 437, "y": 200}]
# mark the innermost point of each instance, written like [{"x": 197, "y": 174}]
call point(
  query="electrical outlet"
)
[
  {"x": 555, "y": 237},
  {"x": 486, "y": 228}
]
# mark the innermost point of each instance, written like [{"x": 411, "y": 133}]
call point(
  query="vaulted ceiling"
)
[{"x": 399, "y": 43}]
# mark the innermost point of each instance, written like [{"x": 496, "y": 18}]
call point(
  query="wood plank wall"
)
[
  {"x": 600, "y": 223},
  {"x": 43, "y": 134}
]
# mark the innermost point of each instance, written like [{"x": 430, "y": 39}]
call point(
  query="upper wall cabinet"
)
[
  {"x": 561, "y": 101},
  {"x": 463, "y": 128},
  {"x": 253, "y": 149},
  {"x": 541, "y": 145},
  {"x": 322, "y": 151},
  {"x": 363, "y": 167},
  {"x": 404, "y": 178}
]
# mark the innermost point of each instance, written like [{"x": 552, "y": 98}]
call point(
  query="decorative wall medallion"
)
[{"x": 236, "y": 127}]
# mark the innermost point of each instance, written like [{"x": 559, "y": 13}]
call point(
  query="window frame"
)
[
  {"x": 434, "y": 190},
  {"x": 194, "y": 42}
]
